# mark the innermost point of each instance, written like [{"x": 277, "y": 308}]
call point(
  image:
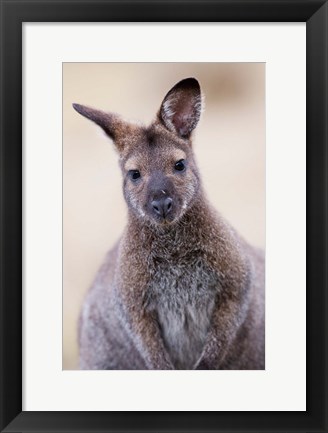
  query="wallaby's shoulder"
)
[{"x": 97, "y": 299}]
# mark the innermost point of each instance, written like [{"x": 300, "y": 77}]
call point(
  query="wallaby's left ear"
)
[
  {"x": 107, "y": 121},
  {"x": 181, "y": 108}
]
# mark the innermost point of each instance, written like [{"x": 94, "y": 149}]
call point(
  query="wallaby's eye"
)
[
  {"x": 180, "y": 165},
  {"x": 135, "y": 174}
]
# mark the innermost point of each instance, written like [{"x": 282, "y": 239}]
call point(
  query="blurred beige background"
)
[{"x": 229, "y": 144}]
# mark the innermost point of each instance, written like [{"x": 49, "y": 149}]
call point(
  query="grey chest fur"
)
[{"x": 183, "y": 294}]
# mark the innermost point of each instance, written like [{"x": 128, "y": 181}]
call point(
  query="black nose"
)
[{"x": 163, "y": 206}]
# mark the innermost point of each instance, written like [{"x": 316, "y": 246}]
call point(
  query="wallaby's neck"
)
[
  {"x": 200, "y": 231},
  {"x": 191, "y": 230}
]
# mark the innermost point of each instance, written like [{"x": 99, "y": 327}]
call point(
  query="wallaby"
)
[{"x": 181, "y": 289}]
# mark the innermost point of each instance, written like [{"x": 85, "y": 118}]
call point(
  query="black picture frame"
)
[{"x": 13, "y": 14}]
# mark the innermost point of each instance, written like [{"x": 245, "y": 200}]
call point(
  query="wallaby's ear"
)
[
  {"x": 112, "y": 124},
  {"x": 181, "y": 108}
]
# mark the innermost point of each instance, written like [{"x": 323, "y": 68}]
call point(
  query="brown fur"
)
[{"x": 181, "y": 289}]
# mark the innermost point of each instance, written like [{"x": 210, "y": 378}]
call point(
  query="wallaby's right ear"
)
[
  {"x": 112, "y": 124},
  {"x": 181, "y": 108}
]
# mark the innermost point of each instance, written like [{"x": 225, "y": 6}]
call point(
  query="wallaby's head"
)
[{"x": 160, "y": 177}]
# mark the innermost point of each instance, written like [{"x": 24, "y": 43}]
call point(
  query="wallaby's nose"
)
[{"x": 163, "y": 206}]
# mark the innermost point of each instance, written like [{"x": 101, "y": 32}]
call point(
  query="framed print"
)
[{"x": 266, "y": 64}]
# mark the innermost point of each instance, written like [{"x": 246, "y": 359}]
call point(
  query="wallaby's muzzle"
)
[
  {"x": 162, "y": 204},
  {"x": 162, "y": 207}
]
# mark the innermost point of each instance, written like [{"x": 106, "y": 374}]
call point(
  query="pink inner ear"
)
[
  {"x": 181, "y": 123},
  {"x": 183, "y": 117}
]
